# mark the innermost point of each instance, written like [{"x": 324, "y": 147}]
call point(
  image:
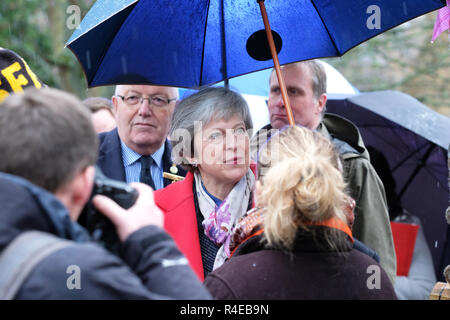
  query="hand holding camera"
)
[
  {"x": 118, "y": 210},
  {"x": 143, "y": 213}
]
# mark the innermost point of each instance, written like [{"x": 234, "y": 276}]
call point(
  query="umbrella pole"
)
[{"x": 276, "y": 63}]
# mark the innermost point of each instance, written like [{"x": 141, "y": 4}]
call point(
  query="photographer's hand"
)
[{"x": 143, "y": 213}]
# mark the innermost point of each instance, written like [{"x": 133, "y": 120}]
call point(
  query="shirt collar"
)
[{"x": 130, "y": 156}]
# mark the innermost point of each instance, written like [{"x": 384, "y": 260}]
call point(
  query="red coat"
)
[{"x": 180, "y": 220}]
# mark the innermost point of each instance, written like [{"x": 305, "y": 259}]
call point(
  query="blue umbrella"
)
[
  {"x": 408, "y": 143},
  {"x": 195, "y": 43}
]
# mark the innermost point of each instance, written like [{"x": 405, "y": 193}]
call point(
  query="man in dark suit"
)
[{"x": 138, "y": 149}]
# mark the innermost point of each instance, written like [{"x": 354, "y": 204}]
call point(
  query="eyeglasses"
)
[{"x": 157, "y": 101}]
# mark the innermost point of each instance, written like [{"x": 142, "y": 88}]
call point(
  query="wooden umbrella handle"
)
[{"x": 276, "y": 63}]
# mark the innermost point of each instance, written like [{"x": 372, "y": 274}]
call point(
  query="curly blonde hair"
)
[{"x": 303, "y": 183}]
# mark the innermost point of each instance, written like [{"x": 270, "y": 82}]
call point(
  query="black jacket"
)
[{"x": 151, "y": 266}]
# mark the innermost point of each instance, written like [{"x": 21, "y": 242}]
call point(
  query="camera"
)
[{"x": 101, "y": 229}]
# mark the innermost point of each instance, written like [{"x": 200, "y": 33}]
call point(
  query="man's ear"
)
[
  {"x": 321, "y": 102},
  {"x": 87, "y": 181},
  {"x": 115, "y": 104}
]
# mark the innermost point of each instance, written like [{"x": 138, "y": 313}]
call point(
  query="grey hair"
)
[
  {"x": 208, "y": 104},
  {"x": 318, "y": 77}
]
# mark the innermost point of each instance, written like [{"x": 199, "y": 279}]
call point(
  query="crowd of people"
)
[{"x": 291, "y": 212}]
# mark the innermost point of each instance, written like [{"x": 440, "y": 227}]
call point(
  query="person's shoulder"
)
[
  {"x": 338, "y": 123},
  {"x": 346, "y": 131},
  {"x": 87, "y": 256},
  {"x": 365, "y": 266},
  {"x": 75, "y": 271},
  {"x": 360, "y": 166},
  {"x": 108, "y": 136}
]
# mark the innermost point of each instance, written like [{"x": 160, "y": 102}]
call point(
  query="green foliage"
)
[{"x": 37, "y": 31}]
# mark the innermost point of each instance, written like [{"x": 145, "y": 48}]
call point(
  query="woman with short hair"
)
[{"x": 209, "y": 134}]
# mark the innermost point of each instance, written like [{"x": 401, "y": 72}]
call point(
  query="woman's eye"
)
[
  {"x": 214, "y": 136},
  {"x": 240, "y": 131}
]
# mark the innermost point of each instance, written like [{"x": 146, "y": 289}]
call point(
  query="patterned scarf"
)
[{"x": 219, "y": 221}]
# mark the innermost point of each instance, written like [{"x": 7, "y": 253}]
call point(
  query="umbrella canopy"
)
[
  {"x": 195, "y": 43},
  {"x": 413, "y": 139}
]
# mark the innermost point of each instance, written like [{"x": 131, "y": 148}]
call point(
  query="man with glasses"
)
[{"x": 138, "y": 149}]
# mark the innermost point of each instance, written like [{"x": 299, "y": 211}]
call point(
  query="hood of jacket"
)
[
  {"x": 25, "y": 206},
  {"x": 345, "y": 136}
]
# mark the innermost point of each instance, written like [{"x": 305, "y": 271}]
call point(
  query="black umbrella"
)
[{"x": 414, "y": 140}]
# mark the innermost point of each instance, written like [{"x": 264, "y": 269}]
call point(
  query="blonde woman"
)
[{"x": 303, "y": 248}]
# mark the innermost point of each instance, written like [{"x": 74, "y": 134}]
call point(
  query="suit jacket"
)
[{"x": 110, "y": 157}]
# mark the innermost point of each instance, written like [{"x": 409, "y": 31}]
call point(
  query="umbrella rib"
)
[
  {"x": 326, "y": 28},
  {"x": 376, "y": 134},
  {"x": 399, "y": 164},
  {"x": 408, "y": 156},
  {"x": 99, "y": 23},
  {"x": 369, "y": 127},
  {"x": 224, "y": 49},
  {"x": 204, "y": 42},
  {"x": 416, "y": 171}
]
